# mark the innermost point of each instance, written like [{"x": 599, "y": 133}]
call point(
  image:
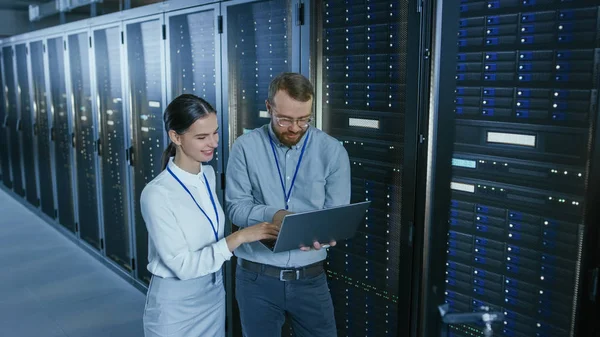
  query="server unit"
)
[
  {"x": 26, "y": 124},
  {"x": 12, "y": 120},
  {"x": 362, "y": 84},
  {"x": 61, "y": 134},
  {"x": 525, "y": 109},
  {"x": 4, "y": 144},
  {"x": 84, "y": 136},
  {"x": 146, "y": 85},
  {"x": 194, "y": 64},
  {"x": 41, "y": 128},
  {"x": 112, "y": 144},
  {"x": 259, "y": 46}
]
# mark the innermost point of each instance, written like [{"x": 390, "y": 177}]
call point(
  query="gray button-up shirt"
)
[{"x": 254, "y": 193}]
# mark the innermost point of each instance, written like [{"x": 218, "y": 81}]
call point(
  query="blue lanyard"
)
[
  {"x": 289, "y": 193},
  {"x": 215, "y": 231}
]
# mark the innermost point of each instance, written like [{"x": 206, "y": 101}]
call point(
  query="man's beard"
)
[{"x": 290, "y": 142}]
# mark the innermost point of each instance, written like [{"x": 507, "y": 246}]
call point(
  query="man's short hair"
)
[{"x": 295, "y": 85}]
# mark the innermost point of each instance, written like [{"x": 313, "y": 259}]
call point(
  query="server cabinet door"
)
[
  {"x": 26, "y": 124},
  {"x": 84, "y": 138},
  {"x": 13, "y": 120},
  {"x": 258, "y": 47},
  {"x": 112, "y": 146},
  {"x": 361, "y": 88},
  {"x": 145, "y": 65},
  {"x": 42, "y": 127},
  {"x": 525, "y": 102},
  {"x": 61, "y": 133},
  {"x": 193, "y": 64},
  {"x": 4, "y": 144}
]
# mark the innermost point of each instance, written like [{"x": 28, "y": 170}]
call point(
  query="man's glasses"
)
[{"x": 285, "y": 122}]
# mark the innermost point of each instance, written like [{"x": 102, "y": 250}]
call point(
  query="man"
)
[{"x": 285, "y": 166}]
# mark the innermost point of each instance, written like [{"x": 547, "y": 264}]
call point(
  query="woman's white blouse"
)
[{"x": 181, "y": 241}]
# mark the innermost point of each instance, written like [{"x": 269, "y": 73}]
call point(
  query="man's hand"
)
[
  {"x": 318, "y": 246},
  {"x": 278, "y": 217}
]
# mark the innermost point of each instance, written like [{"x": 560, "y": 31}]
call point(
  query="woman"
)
[{"x": 185, "y": 222}]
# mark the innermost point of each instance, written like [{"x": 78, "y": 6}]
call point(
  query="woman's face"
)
[{"x": 200, "y": 140}]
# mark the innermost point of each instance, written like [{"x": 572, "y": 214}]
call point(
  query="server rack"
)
[
  {"x": 362, "y": 76},
  {"x": 84, "y": 136},
  {"x": 194, "y": 64},
  {"x": 144, "y": 43},
  {"x": 112, "y": 144},
  {"x": 4, "y": 143},
  {"x": 42, "y": 127},
  {"x": 526, "y": 107},
  {"x": 259, "y": 37},
  {"x": 26, "y": 124},
  {"x": 13, "y": 120},
  {"x": 61, "y": 133}
]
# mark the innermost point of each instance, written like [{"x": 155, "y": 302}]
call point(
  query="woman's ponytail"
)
[{"x": 167, "y": 154}]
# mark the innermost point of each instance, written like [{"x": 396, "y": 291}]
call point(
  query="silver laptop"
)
[{"x": 336, "y": 223}]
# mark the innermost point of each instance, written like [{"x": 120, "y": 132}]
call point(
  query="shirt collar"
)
[
  {"x": 298, "y": 145},
  {"x": 185, "y": 176}
]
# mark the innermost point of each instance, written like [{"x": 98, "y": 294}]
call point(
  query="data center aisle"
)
[{"x": 51, "y": 287}]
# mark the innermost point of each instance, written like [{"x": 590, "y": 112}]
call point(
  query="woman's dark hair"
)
[{"x": 179, "y": 115}]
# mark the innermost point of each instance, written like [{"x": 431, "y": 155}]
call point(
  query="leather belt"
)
[{"x": 283, "y": 274}]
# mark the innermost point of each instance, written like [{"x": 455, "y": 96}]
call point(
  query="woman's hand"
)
[{"x": 260, "y": 231}]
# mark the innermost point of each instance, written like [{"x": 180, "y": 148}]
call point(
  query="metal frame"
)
[{"x": 432, "y": 235}]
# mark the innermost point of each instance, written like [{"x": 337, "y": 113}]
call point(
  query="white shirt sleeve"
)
[{"x": 170, "y": 242}]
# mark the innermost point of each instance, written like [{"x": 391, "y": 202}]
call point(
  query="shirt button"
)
[
  {"x": 288, "y": 155},
  {"x": 288, "y": 178}
]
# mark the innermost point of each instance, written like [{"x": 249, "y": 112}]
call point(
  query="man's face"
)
[{"x": 289, "y": 118}]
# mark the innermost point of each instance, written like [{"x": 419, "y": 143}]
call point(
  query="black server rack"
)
[
  {"x": 112, "y": 146},
  {"x": 61, "y": 133},
  {"x": 12, "y": 121},
  {"x": 364, "y": 98},
  {"x": 259, "y": 48},
  {"x": 525, "y": 107},
  {"x": 4, "y": 144},
  {"x": 193, "y": 64},
  {"x": 84, "y": 138},
  {"x": 145, "y": 63},
  {"x": 26, "y": 125},
  {"x": 42, "y": 128}
]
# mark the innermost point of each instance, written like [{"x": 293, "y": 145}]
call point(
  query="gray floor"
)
[{"x": 50, "y": 287}]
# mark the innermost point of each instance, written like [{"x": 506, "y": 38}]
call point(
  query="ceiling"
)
[{"x": 19, "y": 4}]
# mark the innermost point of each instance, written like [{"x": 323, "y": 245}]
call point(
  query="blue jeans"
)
[{"x": 265, "y": 300}]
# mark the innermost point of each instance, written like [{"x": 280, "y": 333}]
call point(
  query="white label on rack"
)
[
  {"x": 462, "y": 187},
  {"x": 263, "y": 114},
  {"x": 110, "y": 122},
  {"x": 364, "y": 123},
  {"x": 154, "y": 104},
  {"x": 511, "y": 138},
  {"x": 145, "y": 129},
  {"x": 464, "y": 163}
]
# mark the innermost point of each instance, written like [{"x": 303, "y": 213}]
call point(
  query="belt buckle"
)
[{"x": 284, "y": 271}]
